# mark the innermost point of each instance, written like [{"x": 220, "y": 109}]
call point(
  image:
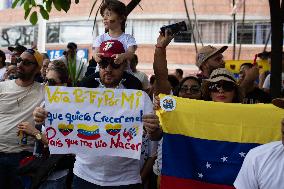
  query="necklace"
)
[{"x": 27, "y": 93}]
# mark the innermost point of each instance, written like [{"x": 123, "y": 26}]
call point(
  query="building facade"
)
[{"x": 211, "y": 24}]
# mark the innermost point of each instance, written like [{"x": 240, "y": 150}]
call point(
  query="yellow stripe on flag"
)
[{"x": 243, "y": 123}]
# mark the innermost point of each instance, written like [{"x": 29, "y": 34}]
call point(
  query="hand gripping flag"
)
[{"x": 205, "y": 143}]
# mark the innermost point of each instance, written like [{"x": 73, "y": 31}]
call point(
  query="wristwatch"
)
[{"x": 38, "y": 136}]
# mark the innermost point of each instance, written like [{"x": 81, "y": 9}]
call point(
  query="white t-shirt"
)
[
  {"x": 157, "y": 167},
  {"x": 148, "y": 149},
  {"x": 266, "y": 84},
  {"x": 2, "y": 72},
  {"x": 16, "y": 105},
  {"x": 143, "y": 78},
  {"x": 263, "y": 168},
  {"x": 126, "y": 39},
  {"x": 108, "y": 170}
]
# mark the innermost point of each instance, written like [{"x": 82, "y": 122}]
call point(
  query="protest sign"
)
[{"x": 95, "y": 122}]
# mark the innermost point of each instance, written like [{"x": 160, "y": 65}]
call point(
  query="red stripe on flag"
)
[{"x": 168, "y": 182}]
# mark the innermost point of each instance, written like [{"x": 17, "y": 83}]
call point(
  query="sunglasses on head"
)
[
  {"x": 51, "y": 82},
  {"x": 225, "y": 85},
  {"x": 194, "y": 89},
  {"x": 24, "y": 62},
  {"x": 108, "y": 61}
]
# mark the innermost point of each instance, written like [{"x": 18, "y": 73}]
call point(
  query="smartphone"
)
[{"x": 174, "y": 28}]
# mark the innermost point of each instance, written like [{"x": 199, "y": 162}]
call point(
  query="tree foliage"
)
[{"x": 44, "y": 9}]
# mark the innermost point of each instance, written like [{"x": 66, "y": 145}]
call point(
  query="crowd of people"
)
[{"x": 113, "y": 65}]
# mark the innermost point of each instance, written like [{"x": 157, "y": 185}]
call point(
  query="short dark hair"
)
[
  {"x": 173, "y": 81},
  {"x": 134, "y": 60},
  {"x": 152, "y": 79},
  {"x": 45, "y": 56},
  {"x": 248, "y": 64},
  {"x": 117, "y": 7},
  {"x": 184, "y": 80},
  {"x": 72, "y": 45},
  {"x": 179, "y": 71},
  {"x": 3, "y": 56}
]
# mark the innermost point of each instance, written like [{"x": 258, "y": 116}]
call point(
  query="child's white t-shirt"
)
[{"x": 126, "y": 39}]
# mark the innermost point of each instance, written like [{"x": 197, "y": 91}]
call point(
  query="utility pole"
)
[
  {"x": 234, "y": 32},
  {"x": 41, "y": 38},
  {"x": 276, "y": 47}
]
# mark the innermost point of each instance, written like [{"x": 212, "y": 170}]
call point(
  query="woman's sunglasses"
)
[
  {"x": 24, "y": 62},
  {"x": 225, "y": 85},
  {"x": 108, "y": 61},
  {"x": 51, "y": 82},
  {"x": 192, "y": 90}
]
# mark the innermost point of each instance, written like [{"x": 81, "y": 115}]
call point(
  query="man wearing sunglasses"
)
[
  {"x": 18, "y": 99},
  {"x": 99, "y": 172}
]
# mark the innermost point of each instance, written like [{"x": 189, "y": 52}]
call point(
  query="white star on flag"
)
[
  {"x": 200, "y": 175},
  {"x": 224, "y": 159},
  {"x": 242, "y": 154},
  {"x": 208, "y": 165}
]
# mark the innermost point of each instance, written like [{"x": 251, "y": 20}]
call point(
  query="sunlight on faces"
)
[
  {"x": 27, "y": 72},
  {"x": 44, "y": 67},
  {"x": 110, "y": 76},
  {"x": 53, "y": 79},
  {"x": 216, "y": 61},
  {"x": 111, "y": 20},
  {"x": 223, "y": 91},
  {"x": 190, "y": 89}
]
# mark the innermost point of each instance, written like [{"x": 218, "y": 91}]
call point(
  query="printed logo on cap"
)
[{"x": 108, "y": 45}]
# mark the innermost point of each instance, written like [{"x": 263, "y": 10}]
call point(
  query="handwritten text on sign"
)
[{"x": 96, "y": 122}]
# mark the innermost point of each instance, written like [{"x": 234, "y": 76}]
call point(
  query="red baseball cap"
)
[{"x": 111, "y": 47}]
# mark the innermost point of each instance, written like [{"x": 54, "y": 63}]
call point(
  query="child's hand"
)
[
  {"x": 118, "y": 58},
  {"x": 98, "y": 56}
]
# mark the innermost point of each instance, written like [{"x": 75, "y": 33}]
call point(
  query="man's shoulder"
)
[
  {"x": 131, "y": 82},
  {"x": 266, "y": 150}
]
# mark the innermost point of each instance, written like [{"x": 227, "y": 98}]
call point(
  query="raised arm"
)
[{"x": 161, "y": 84}]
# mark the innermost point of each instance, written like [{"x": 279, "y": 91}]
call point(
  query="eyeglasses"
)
[
  {"x": 51, "y": 82},
  {"x": 194, "y": 89},
  {"x": 225, "y": 85},
  {"x": 108, "y": 61},
  {"x": 24, "y": 62}
]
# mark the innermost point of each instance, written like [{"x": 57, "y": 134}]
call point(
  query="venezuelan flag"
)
[{"x": 205, "y": 143}]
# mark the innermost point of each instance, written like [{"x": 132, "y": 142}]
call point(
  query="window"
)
[
  {"x": 78, "y": 32},
  {"x": 24, "y": 35},
  {"x": 253, "y": 32},
  {"x": 52, "y": 33},
  {"x": 245, "y": 33}
]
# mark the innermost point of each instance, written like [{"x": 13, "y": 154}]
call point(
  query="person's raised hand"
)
[{"x": 164, "y": 40}]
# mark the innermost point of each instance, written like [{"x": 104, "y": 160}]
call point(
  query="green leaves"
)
[
  {"x": 43, "y": 12},
  {"x": 15, "y": 2},
  {"x": 33, "y": 18},
  {"x": 44, "y": 9}
]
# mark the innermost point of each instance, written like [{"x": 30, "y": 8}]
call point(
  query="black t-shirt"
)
[{"x": 257, "y": 96}]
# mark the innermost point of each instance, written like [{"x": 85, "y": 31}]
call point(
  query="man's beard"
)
[{"x": 24, "y": 76}]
